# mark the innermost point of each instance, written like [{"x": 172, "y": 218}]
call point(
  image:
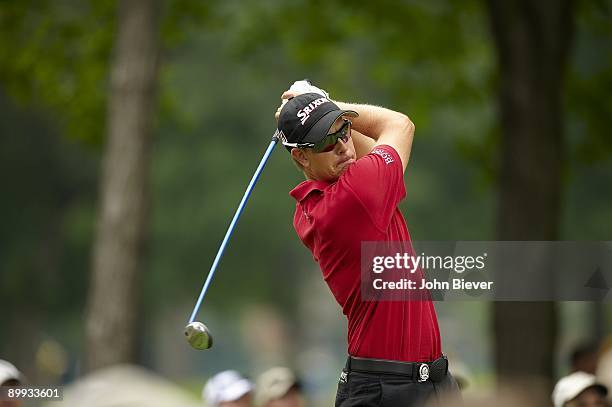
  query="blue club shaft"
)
[{"x": 232, "y": 225}]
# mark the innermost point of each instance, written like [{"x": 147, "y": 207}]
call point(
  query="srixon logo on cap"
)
[{"x": 304, "y": 113}]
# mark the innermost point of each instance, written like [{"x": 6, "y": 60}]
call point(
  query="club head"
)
[{"x": 198, "y": 336}]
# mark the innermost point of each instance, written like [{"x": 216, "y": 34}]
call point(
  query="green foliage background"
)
[{"x": 224, "y": 67}]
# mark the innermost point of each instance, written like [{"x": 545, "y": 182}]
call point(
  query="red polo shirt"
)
[{"x": 332, "y": 219}]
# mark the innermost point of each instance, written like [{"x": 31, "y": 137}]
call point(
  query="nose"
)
[{"x": 341, "y": 146}]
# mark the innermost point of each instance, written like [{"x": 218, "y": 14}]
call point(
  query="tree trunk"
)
[
  {"x": 115, "y": 289},
  {"x": 532, "y": 40}
]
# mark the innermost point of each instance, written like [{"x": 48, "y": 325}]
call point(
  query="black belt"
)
[{"x": 434, "y": 371}]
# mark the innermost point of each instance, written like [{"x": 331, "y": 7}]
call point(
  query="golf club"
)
[{"x": 198, "y": 335}]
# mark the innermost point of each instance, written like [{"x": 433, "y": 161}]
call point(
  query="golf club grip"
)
[{"x": 232, "y": 225}]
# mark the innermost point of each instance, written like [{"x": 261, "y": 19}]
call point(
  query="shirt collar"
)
[{"x": 301, "y": 191}]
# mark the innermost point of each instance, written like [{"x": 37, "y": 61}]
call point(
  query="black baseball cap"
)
[{"x": 307, "y": 118}]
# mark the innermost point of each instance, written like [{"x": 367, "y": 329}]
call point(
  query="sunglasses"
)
[{"x": 329, "y": 142}]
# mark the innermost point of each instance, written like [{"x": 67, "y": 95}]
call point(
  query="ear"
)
[{"x": 301, "y": 157}]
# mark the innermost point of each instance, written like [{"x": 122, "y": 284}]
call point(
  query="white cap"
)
[
  {"x": 9, "y": 372},
  {"x": 228, "y": 385},
  {"x": 569, "y": 387},
  {"x": 274, "y": 384}
]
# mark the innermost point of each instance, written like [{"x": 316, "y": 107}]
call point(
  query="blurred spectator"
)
[
  {"x": 604, "y": 365},
  {"x": 10, "y": 376},
  {"x": 460, "y": 371},
  {"x": 278, "y": 387},
  {"x": 228, "y": 389},
  {"x": 579, "y": 389},
  {"x": 584, "y": 358}
]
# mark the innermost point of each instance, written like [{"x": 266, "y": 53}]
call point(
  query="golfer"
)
[{"x": 353, "y": 157}]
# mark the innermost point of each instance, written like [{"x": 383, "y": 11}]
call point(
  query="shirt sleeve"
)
[{"x": 377, "y": 180}]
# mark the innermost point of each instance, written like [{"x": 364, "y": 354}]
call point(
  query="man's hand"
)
[
  {"x": 298, "y": 88},
  {"x": 304, "y": 86},
  {"x": 284, "y": 99}
]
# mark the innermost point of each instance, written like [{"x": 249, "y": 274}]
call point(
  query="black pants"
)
[{"x": 388, "y": 390}]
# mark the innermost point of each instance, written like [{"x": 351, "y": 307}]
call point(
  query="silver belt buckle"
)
[{"x": 423, "y": 372}]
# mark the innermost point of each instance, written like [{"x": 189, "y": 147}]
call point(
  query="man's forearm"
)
[
  {"x": 373, "y": 120},
  {"x": 381, "y": 126}
]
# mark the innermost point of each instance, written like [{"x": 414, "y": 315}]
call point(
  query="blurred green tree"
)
[
  {"x": 53, "y": 66},
  {"x": 113, "y": 324},
  {"x": 55, "y": 58},
  {"x": 533, "y": 44}
]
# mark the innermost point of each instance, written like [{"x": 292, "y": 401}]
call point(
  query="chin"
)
[
  {"x": 342, "y": 167},
  {"x": 340, "y": 172}
]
